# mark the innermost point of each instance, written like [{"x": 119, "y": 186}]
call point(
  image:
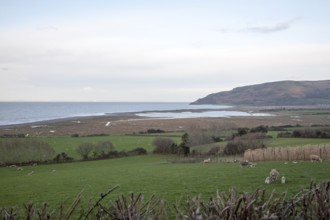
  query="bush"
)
[
  {"x": 24, "y": 150},
  {"x": 198, "y": 137},
  {"x": 102, "y": 149},
  {"x": 248, "y": 141},
  {"x": 307, "y": 133},
  {"x": 286, "y": 134},
  {"x": 164, "y": 146},
  {"x": 261, "y": 128},
  {"x": 214, "y": 150},
  {"x": 20, "y": 135},
  {"x": 137, "y": 151},
  {"x": 216, "y": 138},
  {"x": 152, "y": 131},
  {"x": 84, "y": 150},
  {"x": 62, "y": 157}
]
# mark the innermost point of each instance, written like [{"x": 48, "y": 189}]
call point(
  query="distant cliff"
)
[{"x": 273, "y": 93}]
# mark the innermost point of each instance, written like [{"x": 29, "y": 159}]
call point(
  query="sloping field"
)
[{"x": 148, "y": 174}]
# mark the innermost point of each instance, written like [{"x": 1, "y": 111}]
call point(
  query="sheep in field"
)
[
  {"x": 273, "y": 174},
  {"x": 283, "y": 179},
  {"x": 207, "y": 160},
  {"x": 314, "y": 157},
  {"x": 267, "y": 180},
  {"x": 244, "y": 163}
]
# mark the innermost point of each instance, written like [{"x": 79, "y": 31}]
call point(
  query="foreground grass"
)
[{"x": 149, "y": 175}]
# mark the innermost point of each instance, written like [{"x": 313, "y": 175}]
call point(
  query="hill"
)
[{"x": 273, "y": 93}]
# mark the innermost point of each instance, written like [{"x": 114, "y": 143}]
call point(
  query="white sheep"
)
[
  {"x": 283, "y": 179},
  {"x": 267, "y": 180},
  {"x": 19, "y": 168},
  {"x": 273, "y": 174},
  {"x": 314, "y": 157},
  {"x": 30, "y": 173},
  {"x": 252, "y": 165},
  {"x": 207, "y": 160}
]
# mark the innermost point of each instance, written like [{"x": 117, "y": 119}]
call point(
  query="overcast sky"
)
[{"x": 180, "y": 50}]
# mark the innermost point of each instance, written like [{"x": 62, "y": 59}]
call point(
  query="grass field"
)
[
  {"x": 148, "y": 174},
  {"x": 120, "y": 142},
  {"x": 129, "y": 142}
]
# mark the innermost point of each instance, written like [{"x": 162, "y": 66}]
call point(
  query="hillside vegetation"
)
[{"x": 273, "y": 93}]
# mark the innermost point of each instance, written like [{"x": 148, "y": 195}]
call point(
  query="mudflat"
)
[{"x": 129, "y": 123}]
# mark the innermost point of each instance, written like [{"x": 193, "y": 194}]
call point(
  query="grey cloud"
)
[
  {"x": 261, "y": 29},
  {"x": 270, "y": 29}
]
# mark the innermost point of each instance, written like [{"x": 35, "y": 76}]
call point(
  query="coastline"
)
[{"x": 130, "y": 123}]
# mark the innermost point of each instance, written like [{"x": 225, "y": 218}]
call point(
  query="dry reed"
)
[{"x": 288, "y": 153}]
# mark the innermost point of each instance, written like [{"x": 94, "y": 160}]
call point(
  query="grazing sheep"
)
[
  {"x": 30, "y": 173},
  {"x": 207, "y": 160},
  {"x": 247, "y": 164},
  {"x": 244, "y": 163},
  {"x": 252, "y": 165},
  {"x": 273, "y": 174},
  {"x": 314, "y": 157},
  {"x": 267, "y": 180},
  {"x": 19, "y": 168},
  {"x": 12, "y": 166},
  {"x": 283, "y": 179},
  {"x": 35, "y": 164}
]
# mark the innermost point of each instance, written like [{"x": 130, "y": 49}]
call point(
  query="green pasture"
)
[
  {"x": 129, "y": 142},
  {"x": 150, "y": 175},
  {"x": 120, "y": 142},
  {"x": 284, "y": 142}
]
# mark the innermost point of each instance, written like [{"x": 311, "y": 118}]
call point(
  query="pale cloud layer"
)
[{"x": 153, "y": 52}]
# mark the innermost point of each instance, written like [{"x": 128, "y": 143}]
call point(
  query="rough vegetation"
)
[
  {"x": 307, "y": 133},
  {"x": 313, "y": 203},
  {"x": 24, "y": 150},
  {"x": 288, "y": 153}
]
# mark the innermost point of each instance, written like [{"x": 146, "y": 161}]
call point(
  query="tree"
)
[
  {"x": 164, "y": 146},
  {"x": 84, "y": 150},
  {"x": 102, "y": 149},
  {"x": 185, "y": 144}
]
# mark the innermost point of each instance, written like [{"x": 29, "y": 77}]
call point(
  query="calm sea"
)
[{"x": 25, "y": 112}]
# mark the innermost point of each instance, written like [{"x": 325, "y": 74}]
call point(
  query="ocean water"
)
[{"x": 25, "y": 112}]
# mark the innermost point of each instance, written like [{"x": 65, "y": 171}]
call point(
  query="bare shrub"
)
[
  {"x": 241, "y": 143},
  {"x": 84, "y": 150},
  {"x": 24, "y": 150},
  {"x": 164, "y": 146},
  {"x": 102, "y": 149},
  {"x": 199, "y": 138},
  {"x": 214, "y": 150}
]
